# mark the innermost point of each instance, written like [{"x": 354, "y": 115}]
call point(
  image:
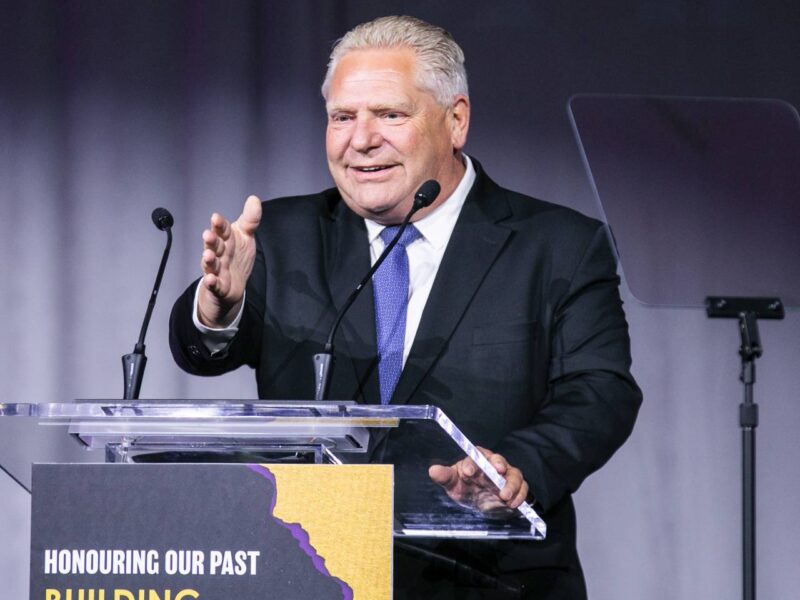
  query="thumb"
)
[
  {"x": 447, "y": 477},
  {"x": 251, "y": 216}
]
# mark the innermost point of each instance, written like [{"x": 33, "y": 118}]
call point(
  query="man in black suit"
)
[{"x": 513, "y": 324}]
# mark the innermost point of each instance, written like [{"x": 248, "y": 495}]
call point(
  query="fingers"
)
[
  {"x": 215, "y": 238},
  {"x": 465, "y": 483},
  {"x": 220, "y": 231},
  {"x": 211, "y": 282},
  {"x": 498, "y": 462},
  {"x": 468, "y": 469},
  {"x": 250, "y": 218},
  {"x": 211, "y": 265},
  {"x": 229, "y": 251},
  {"x": 447, "y": 477},
  {"x": 521, "y": 495},
  {"x": 213, "y": 242},
  {"x": 213, "y": 247},
  {"x": 220, "y": 226},
  {"x": 516, "y": 489},
  {"x": 464, "y": 471},
  {"x": 210, "y": 262}
]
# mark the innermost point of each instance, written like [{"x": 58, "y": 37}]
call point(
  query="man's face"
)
[{"x": 386, "y": 136}]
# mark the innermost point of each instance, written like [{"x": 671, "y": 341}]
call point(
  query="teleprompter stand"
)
[
  {"x": 747, "y": 311},
  {"x": 701, "y": 194}
]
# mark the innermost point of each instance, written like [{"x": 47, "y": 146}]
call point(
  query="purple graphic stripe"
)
[{"x": 300, "y": 534}]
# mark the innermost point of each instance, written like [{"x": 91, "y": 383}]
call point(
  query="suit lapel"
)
[
  {"x": 348, "y": 250},
  {"x": 474, "y": 245}
]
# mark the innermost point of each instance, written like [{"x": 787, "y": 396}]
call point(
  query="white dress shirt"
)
[{"x": 424, "y": 257}]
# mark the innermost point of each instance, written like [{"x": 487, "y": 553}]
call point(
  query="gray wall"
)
[{"x": 108, "y": 109}]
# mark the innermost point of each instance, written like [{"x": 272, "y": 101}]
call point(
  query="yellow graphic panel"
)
[{"x": 347, "y": 512}]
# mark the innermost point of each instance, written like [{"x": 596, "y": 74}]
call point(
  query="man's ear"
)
[{"x": 459, "y": 122}]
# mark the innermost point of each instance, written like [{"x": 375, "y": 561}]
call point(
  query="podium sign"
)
[{"x": 211, "y": 532}]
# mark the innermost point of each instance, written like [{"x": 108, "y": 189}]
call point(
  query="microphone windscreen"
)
[
  {"x": 162, "y": 218},
  {"x": 427, "y": 193}
]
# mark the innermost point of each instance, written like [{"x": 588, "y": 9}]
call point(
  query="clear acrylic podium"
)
[{"x": 412, "y": 438}]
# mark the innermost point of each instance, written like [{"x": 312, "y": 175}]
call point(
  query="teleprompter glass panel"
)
[{"x": 701, "y": 193}]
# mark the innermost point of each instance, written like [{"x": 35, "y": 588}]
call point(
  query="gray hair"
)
[{"x": 439, "y": 57}]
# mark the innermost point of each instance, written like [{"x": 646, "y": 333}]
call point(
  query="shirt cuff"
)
[{"x": 216, "y": 340}]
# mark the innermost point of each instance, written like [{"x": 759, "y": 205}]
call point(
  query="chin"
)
[
  {"x": 372, "y": 204},
  {"x": 373, "y": 210}
]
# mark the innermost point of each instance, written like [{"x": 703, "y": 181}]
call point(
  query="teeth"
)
[{"x": 370, "y": 169}]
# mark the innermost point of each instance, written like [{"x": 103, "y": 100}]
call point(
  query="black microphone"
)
[
  {"x": 133, "y": 364},
  {"x": 162, "y": 219},
  {"x": 323, "y": 362},
  {"x": 425, "y": 195}
]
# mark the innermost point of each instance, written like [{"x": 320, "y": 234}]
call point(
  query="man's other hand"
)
[
  {"x": 229, "y": 252},
  {"x": 466, "y": 484}
]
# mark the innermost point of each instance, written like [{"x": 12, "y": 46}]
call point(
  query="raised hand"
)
[
  {"x": 466, "y": 484},
  {"x": 229, "y": 252}
]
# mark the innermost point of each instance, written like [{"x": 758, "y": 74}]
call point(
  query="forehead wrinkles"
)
[
  {"x": 368, "y": 83},
  {"x": 366, "y": 74}
]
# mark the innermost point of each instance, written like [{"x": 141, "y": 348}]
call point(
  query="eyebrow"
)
[{"x": 401, "y": 106}]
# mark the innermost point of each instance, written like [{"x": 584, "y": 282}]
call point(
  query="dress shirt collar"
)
[{"x": 437, "y": 226}]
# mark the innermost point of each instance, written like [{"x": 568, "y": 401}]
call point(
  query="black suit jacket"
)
[{"x": 523, "y": 341}]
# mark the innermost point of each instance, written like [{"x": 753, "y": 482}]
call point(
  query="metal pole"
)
[{"x": 748, "y": 417}]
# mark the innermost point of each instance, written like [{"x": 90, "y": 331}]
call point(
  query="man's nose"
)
[{"x": 366, "y": 135}]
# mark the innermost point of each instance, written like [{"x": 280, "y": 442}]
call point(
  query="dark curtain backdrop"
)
[{"x": 109, "y": 109}]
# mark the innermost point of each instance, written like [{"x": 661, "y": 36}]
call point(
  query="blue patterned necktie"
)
[{"x": 390, "y": 287}]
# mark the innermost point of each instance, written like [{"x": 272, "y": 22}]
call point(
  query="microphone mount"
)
[
  {"x": 323, "y": 362},
  {"x": 133, "y": 364}
]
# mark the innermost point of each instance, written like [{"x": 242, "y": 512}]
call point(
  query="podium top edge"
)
[{"x": 216, "y": 409}]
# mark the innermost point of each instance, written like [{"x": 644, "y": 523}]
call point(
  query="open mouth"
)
[{"x": 375, "y": 169}]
